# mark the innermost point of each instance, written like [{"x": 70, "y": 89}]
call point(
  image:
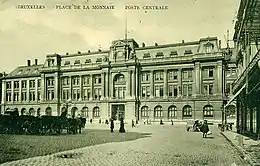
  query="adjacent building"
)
[
  {"x": 246, "y": 87},
  {"x": 170, "y": 82}
]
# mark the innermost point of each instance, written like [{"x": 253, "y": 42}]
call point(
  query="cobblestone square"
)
[{"x": 167, "y": 145}]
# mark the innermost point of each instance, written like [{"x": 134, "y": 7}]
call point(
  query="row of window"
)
[
  {"x": 85, "y": 80},
  {"x": 32, "y": 96},
  {"x": 172, "y": 111},
  {"x": 173, "y": 74},
  {"x": 23, "y": 84},
  {"x": 87, "y": 61},
  {"x": 161, "y": 54}
]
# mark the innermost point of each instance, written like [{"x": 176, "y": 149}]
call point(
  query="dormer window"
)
[
  {"x": 77, "y": 62},
  {"x": 159, "y": 55},
  {"x": 67, "y": 63},
  {"x": 147, "y": 56},
  {"x": 99, "y": 60},
  {"x": 88, "y": 61},
  {"x": 187, "y": 52},
  {"x": 208, "y": 47},
  {"x": 173, "y": 53}
]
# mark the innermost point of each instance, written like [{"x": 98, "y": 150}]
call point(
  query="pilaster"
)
[
  {"x": 107, "y": 83},
  {"x": 102, "y": 85},
  {"x": 3, "y": 92},
  {"x": 128, "y": 87},
  {"x": 20, "y": 91},
  {"x": 152, "y": 84},
  {"x": 219, "y": 77},
  {"x": 56, "y": 87},
  {"x": 36, "y": 90},
  {"x": 165, "y": 84},
  {"x": 133, "y": 84},
  {"x": 43, "y": 88},
  {"x": 80, "y": 88},
  {"x": 27, "y": 91},
  {"x": 179, "y": 83},
  {"x": 91, "y": 87}
]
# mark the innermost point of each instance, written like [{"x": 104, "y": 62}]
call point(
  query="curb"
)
[{"x": 245, "y": 156}]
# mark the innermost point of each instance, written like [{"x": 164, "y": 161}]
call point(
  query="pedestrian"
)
[
  {"x": 172, "y": 122},
  {"x": 90, "y": 120},
  {"x": 112, "y": 125},
  {"x": 204, "y": 128},
  {"x": 133, "y": 123}
]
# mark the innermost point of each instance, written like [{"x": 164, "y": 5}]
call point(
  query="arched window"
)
[
  {"x": 172, "y": 112},
  {"x": 119, "y": 86},
  {"x": 74, "y": 111},
  {"x": 31, "y": 112},
  {"x": 158, "y": 112},
  {"x": 96, "y": 112},
  {"x": 144, "y": 112},
  {"x": 48, "y": 111},
  {"x": 23, "y": 111},
  {"x": 187, "y": 111},
  {"x": 84, "y": 112},
  {"x": 208, "y": 111}
]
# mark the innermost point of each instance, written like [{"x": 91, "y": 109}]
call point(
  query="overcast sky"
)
[{"x": 30, "y": 34}]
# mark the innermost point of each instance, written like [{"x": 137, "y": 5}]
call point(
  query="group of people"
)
[{"x": 201, "y": 126}]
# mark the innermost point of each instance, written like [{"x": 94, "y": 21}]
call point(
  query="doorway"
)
[{"x": 118, "y": 112}]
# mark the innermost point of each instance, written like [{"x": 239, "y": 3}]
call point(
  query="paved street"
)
[{"x": 168, "y": 145}]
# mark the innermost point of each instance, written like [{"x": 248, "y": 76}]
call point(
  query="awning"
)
[{"x": 234, "y": 97}]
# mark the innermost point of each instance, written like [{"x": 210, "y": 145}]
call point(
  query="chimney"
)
[
  {"x": 79, "y": 52},
  {"x": 99, "y": 50},
  {"x": 88, "y": 51},
  {"x": 156, "y": 44},
  {"x": 219, "y": 44},
  {"x": 67, "y": 53},
  {"x": 143, "y": 44},
  {"x": 36, "y": 62},
  {"x": 28, "y": 62},
  {"x": 182, "y": 41}
]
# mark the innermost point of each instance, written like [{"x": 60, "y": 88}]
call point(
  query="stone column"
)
[
  {"x": 133, "y": 84},
  {"x": 80, "y": 88},
  {"x": 43, "y": 88},
  {"x": 194, "y": 82},
  {"x": 197, "y": 78},
  {"x": 219, "y": 78},
  {"x": 27, "y": 91},
  {"x": 70, "y": 88},
  {"x": 128, "y": 85},
  {"x": 56, "y": 87},
  {"x": 107, "y": 83},
  {"x": 20, "y": 91},
  {"x": 12, "y": 91},
  {"x": 165, "y": 83},
  {"x": 102, "y": 85},
  {"x": 179, "y": 83},
  {"x": 91, "y": 87},
  {"x": 36, "y": 90},
  {"x": 137, "y": 89},
  {"x": 3, "y": 92},
  {"x": 111, "y": 85},
  {"x": 151, "y": 85}
]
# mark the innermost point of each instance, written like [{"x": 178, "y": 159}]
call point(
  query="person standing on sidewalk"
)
[
  {"x": 133, "y": 123},
  {"x": 112, "y": 125}
]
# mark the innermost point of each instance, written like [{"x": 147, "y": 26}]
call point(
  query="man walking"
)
[
  {"x": 133, "y": 123},
  {"x": 204, "y": 128}
]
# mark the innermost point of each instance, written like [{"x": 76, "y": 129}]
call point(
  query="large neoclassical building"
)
[{"x": 170, "y": 82}]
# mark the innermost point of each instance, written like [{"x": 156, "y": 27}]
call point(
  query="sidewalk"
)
[{"x": 249, "y": 149}]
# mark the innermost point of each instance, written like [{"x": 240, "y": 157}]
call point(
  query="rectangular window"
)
[
  {"x": 16, "y": 84},
  {"x": 158, "y": 76},
  {"x": 75, "y": 80},
  {"x": 211, "y": 72},
  {"x": 175, "y": 91},
  {"x": 32, "y": 83},
  {"x": 161, "y": 91},
  {"x": 170, "y": 90},
  {"x": 185, "y": 90},
  {"x": 208, "y": 88},
  {"x": 86, "y": 80},
  {"x": 24, "y": 82},
  {"x": 39, "y": 83},
  {"x": 157, "y": 91},
  {"x": 145, "y": 76},
  {"x": 190, "y": 90},
  {"x": 8, "y": 85}
]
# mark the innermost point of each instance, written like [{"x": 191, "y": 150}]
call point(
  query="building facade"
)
[
  {"x": 246, "y": 87},
  {"x": 170, "y": 82}
]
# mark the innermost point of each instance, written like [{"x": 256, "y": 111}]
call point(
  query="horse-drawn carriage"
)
[
  {"x": 13, "y": 123},
  {"x": 193, "y": 125}
]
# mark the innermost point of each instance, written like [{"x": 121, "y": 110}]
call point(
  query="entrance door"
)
[{"x": 118, "y": 111}]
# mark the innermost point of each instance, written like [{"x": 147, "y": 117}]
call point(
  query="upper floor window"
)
[
  {"x": 173, "y": 90},
  {"x": 208, "y": 49},
  {"x": 147, "y": 56},
  {"x": 65, "y": 81},
  {"x": 158, "y": 75},
  {"x": 159, "y": 55},
  {"x": 75, "y": 80},
  {"x": 24, "y": 83},
  {"x": 86, "y": 80},
  {"x": 67, "y": 63},
  {"x": 173, "y": 75},
  {"x": 32, "y": 83},
  {"x": 187, "y": 74},
  {"x": 208, "y": 72},
  {"x": 97, "y": 79},
  {"x": 145, "y": 91},
  {"x": 187, "y": 52},
  {"x": 77, "y": 62},
  {"x": 145, "y": 76},
  {"x": 50, "y": 62},
  {"x": 158, "y": 90},
  {"x": 87, "y": 61},
  {"x": 208, "y": 88},
  {"x": 99, "y": 60},
  {"x": 16, "y": 84},
  {"x": 8, "y": 85},
  {"x": 50, "y": 81},
  {"x": 39, "y": 83},
  {"x": 173, "y": 53}
]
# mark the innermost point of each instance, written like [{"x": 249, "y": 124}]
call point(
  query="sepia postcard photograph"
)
[{"x": 130, "y": 82}]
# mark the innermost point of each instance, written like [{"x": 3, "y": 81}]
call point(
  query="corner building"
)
[{"x": 169, "y": 82}]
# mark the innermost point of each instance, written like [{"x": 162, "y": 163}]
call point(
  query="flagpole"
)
[{"x": 126, "y": 34}]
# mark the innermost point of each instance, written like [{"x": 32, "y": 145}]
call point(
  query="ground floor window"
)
[
  {"x": 187, "y": 111},
  {"x": 172, "y": 112},
  {"x": 254, "y": 114},
  {"x": 144, "y": 111},
  {"x": 158, "y": 112},
  {"x": 208, "y": 111},
  {"x": 96, "y": 112}
]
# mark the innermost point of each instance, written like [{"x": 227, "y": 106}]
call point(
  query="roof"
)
[{"x": 23, "y": 71}]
